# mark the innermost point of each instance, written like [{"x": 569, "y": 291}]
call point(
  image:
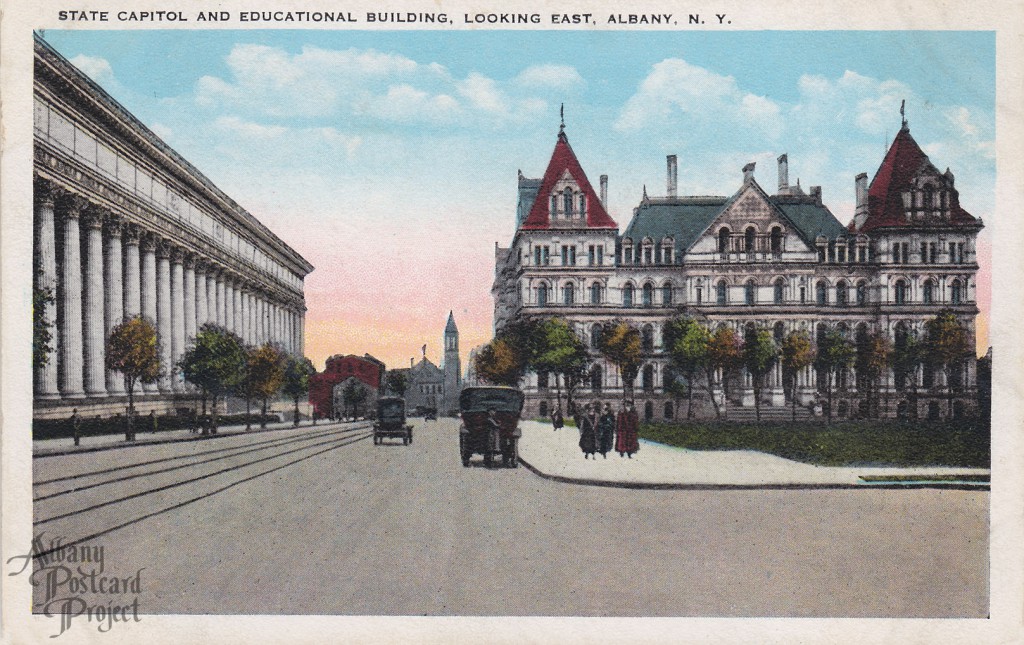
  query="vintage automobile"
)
[
  {"x": 390, "y": 421},
  {"x": 490, "y": 424}
]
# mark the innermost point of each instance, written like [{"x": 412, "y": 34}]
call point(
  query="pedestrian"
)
[
  {"x": 626, "y": 428},
  {"x": 606, "y": 431},
  {"x": 556, "y": 419},
  {"x": 152, "y": 421},
  {"x": 76, "y": 426},
  {"x": 588, "y": 431}
]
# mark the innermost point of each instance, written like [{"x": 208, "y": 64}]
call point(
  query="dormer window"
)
[
  {"x": 567, "y": 199},
  {"x": 583, "y": 205}
]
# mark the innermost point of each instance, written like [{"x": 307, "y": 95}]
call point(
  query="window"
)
[
  {"x": 647, "y": 255},
  {"x": 862, "y": 293},
  {"x": 583, "y": 205},
  {"x": 600, "y": 256},
  {"x": 901, "y": 292},
  {"x": 542, "y": 295},
  {"x": 567, "y": 201},
  {"x": 647, "y": 338},
  {"x": 669, "y": 410},
  {"x": 666, "y": 295},
  {"x": 627, "y": 255},
  {"x": 929, "y": 292},
  {"x": 554, "y": 205},
  {"x": 572, "y": 256},
  {"x": 750, "y": 292},
  {"x": 595, "y": 294},
  {"x": 565, "y": 255},
  {"x": 545, "y": 259},
  {"x": 596, "y": 379},
  {"x": 666, "y": 255},
  {"x": 803, "y": 295},
  {"x": 700, "y": 295},
  {"x": 841, "y": 294},
  {"x": 569, "y": 294},
  {"x": 647, "y": 382},
  {"x": 627, "y": 296},
  {"x": 722, "y": 293},
  {"x": 776, "y": 241},
  {"x": 723, "y": 240},
  {"x": 591, "y": 255},
  {"x": 956, "y": 294},
  {"x": 536, "y": 256},
  {"x": 779, "y": 291},
  {"x": 648, "y": 294},
  {"x": 543, "y": 408},
  {"x": 595, "y": 336},
  {"x": 749, "y": 237},
  {"x": 821, "y": 293}
]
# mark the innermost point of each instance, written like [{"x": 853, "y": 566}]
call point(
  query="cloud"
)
[
  {"x": 249, "y": 129},
  {"x": 96, "y": 68},
  {"x": 560, "y": 77},
  {"x": 676, "y": 90}
]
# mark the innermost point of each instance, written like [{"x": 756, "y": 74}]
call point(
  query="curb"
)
[
  {"x": 677, "y": 486},
  {"x": 74, "y": 450}
]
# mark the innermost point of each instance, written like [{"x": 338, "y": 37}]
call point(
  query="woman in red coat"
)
[{"x": 626, "y": 428}]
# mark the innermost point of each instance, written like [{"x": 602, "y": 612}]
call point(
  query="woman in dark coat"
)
[
  {"x": 606, "y": 431},
  {"x": 627, "y": 427},
  {"x": 588, "y": 432}
]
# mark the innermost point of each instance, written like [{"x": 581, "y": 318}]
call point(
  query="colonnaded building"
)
[
  {"x": 125, "y": 226},
  {"x": 753, "y": 259}
]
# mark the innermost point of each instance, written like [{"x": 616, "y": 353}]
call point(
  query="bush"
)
[{"x": 93, "y": 427}]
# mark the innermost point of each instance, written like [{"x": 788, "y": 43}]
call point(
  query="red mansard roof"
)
[
  {"x": 562, "y": 159},
  {"x": 903, "y": 162}
]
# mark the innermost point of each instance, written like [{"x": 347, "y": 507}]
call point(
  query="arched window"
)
[
  {"x": 723, "y": 240},
  {"x": 749, "y": 236},
  {"x": 956, "y": 292},
  {"x": 722, "y": 293},
  {"x": 647, "y": 338},
  {"x": 821, "y": 293},
  {"x": 595, "y": 293},
  {"x": 542, "y": 295},
  {"x": 666, "y": 255},
  {"x": 666, "y": 295},
  {"x": 862, "y": 293},
  {"x": 647, "y": 380},
  {"x": 595, "y": 336},
  {"x": 596, "y": 378},
  {"x": 627, "y": 296},
  {"x": 779, "y": 291},
  {"x": 750, "y": 292},
  {"x": 569, "y": 294},
  {"x": 648, "y": 294},
  {"x": 841, "y": 293},
  {"x": 567, "y": 201},
  {"x": 901, "y": 292},
  {"x": 776, "y": 240},
  {"x": 929, "y": 292}
]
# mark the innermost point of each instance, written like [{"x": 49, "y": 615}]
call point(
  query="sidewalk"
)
[
  {"x": 556, "y": 455},
  {"x": 66, "y": 445}
]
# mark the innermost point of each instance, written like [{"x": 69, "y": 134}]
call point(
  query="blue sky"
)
[{"x": 401, "y": 148}]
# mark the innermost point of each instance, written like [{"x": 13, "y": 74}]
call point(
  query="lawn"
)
[{"x": 964, "y": 443}]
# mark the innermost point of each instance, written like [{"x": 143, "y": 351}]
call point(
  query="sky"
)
[{"x": 389, "y": 159}]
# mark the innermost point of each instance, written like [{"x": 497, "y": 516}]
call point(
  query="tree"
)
[
  {"x": 947, "y": 346},
  {"x": 796, "y": 353},
  {"x": 559, "y": 351},
  {"x": 42, "y": 334},
  {"x": 759, "y": 356},
  {"x": 215, "y": 363},
  {"x": 353, "y": 395},
  {"x": 686, "y": 343},
  {"x": 725, "y": 354},
  {"x": 834, "y": 353},
  {"x": 397, "y": 382},
  {"x": 621, "y": 344},
  {"x": 907, "y": 354},
  {"x": 874, "y": 355},
  {"x": 499, "y": 363},
  {"x": 265, "y": 367},
  {"x": 132, "y": 350},
  {"x": 297, "y": 371}
]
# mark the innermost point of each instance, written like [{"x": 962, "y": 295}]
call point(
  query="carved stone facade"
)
[
  {"x": 124, "y": 226},
  {"x": 779, "y": 261}
]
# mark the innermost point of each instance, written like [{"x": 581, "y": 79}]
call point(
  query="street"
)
[{"x": 320, "y": 521}]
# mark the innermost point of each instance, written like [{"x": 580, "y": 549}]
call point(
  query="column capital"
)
[
  {"x": 148, "y": 241},
  {"x": 73, "y": 205},
  {"x": 114, "y": 224},
  {"x": 177, "y": 255},
  {"x": 200, "y": 265},
  {"x": 92, "y": 216},
  {"x": 43, "y": 191},
  {"x": 131, "y": 234},
  {"x": 189, "y": 260},
  {"x": 164, "y": 249}
]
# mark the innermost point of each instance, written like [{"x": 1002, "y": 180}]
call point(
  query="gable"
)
[
  {"x": 751, "y": 207},
  {"x": 563, "y": 171}
]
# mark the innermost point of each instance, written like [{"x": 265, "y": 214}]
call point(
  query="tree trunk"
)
[
  {"x": 248, "y": 414},
  {"x": 828, "y": 391},
  {"x": 689, "y": 396},
  {"x": 710, "y": 374},
  {"x": 263, "y": 414},
  {"x": 295, "y": 422},
  {"x": 792, "y": 395},
  {"x": 202, "y": 424},
  {"x": 213, "y": 414},
  {"x": 757, "y": 398},
  {"x": 558, "y": 389},
  {"x": 129, "y": 430}
]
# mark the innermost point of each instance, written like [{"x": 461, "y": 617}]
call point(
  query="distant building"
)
[
  {"x": 452, "y": 368},
  {"x": 337, "y": 369},
  {"x": 430, "y": 386}
]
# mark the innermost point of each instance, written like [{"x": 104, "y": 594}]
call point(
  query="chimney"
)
[
  {"x": 860, "y": 213},
  {"x": 748, "y": 172},
  {"x": 604, "y": 191},
  {"x": 784, "y": 174},
  {"x": 816, "y": 193},
  {"x": 672, "y": 175},
  {"x": 410, "y": 362}
]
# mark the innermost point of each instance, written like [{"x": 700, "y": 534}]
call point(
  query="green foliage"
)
[
  {"x": 42, "y": 334},
  {"x": 132, "y": 350},
  {"x": 354, "y": 395},
  {"x": 947, "y": 341},
  {"x": 396, "y": 382},
  {"x": 622, "y": 345},
  {"x": 216, "y": 361},
  {"x": 796, "y": 353},
  {"x": 759, "y": 356},
  {"x": 264, "y": 370},
  {"x": 686, "y": 342},
  {"x": 499, "y": 363}
]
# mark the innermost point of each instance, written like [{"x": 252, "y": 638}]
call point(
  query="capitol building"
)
[
  {"x": 124, "y": 226},
  {"x": 761, "y": 257}
]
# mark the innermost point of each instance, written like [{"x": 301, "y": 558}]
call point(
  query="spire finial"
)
[
  {"x": 903, "y": 118},
  {"x": 561, "y": 114}
]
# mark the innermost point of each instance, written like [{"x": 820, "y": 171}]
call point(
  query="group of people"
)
[{"x": 601, "y": 429}]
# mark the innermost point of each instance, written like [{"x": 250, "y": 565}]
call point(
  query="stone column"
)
[
  {"x": 201, "y": 309},
  {"x": 46, "y": 278},
  {"x": 148, "y": 294},
  {"x": 132, "y": 273},
  {"x": 211, "y": 294},
  {"x": 302, "y": 334},
  {"x": 92, "y": 321},
  {"x": 236, "y": 303},
  {"x": 113, "y": 281},
  {"x": 71, "y": 301},
  {"x": 189, "y": 296},
  {"x": 177, "y": 317},
  {"x": 229, "y": 303},
  {"x": 222, "y": 318},
  {"x": 164, "y": 324}
]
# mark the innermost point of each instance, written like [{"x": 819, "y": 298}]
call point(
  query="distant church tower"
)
[{"x": 452, "y": 368}]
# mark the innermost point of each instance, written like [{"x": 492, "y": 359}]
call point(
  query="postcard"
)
[{"x": 450, "y": 322}]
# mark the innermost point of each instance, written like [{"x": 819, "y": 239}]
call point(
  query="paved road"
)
[{"x": 321, "y": 521}]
